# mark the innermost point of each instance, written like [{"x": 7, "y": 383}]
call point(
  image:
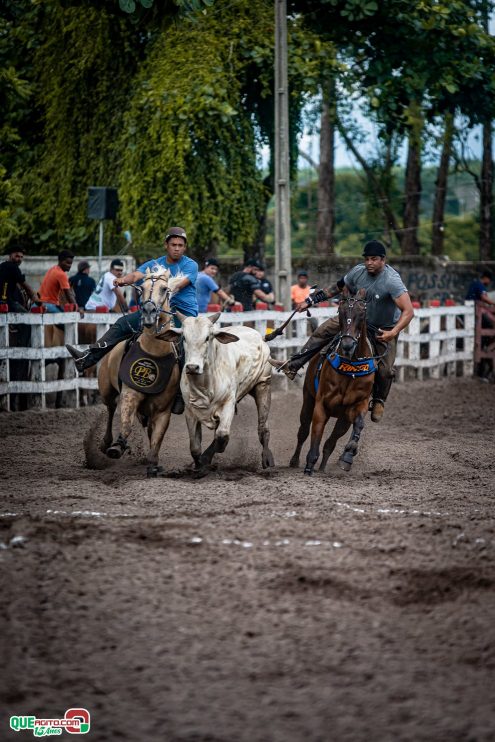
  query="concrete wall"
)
[{"x": 426, "y": 277}]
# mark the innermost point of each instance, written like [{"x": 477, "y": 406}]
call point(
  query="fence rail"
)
[{"x": 439, "y": 341}]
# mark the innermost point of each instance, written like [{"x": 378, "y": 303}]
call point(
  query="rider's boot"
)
[
  {"x": 381, "y": 388},
  {"x": 297, "y": 361},
  {"x": 120, "y": 330},
  {"x": 178, "y": 405}
]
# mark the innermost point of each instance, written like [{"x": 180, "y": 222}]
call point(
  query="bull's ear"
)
[
  {"x": 226, "y": 337},
  {"x": 361, "y": 294},
  {"x": 172, "y": 335},
  {"x": 213, "y": 317}
]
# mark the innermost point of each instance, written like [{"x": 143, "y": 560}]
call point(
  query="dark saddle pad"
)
[{"x": 146, "y": 373}]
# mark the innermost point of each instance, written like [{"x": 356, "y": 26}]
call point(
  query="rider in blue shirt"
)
[{"x": 184, "y": 300}]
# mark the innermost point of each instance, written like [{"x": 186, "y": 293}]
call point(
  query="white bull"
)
[{"x": 220, "y": 369}]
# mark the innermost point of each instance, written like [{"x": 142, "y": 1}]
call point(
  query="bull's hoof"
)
[
  {"x": 153, "y": 471},
  {"x": 267, "y": 460}
]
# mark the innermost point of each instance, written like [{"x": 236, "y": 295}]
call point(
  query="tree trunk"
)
[
  {"x": 410, "y": 244},
  {"x": 325, "y": 226},
  {"x": 438, "y": 228},
  {"x": 375, "y": 185},
  {"x": 486, "y": 191}
]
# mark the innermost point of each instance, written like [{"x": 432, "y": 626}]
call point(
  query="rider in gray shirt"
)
[{"x": 388, "y": 311}]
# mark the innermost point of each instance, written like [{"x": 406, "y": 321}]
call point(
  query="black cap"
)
[
  {"x": 211, "y": 261},
  {"x": 176, "y": 232},
  {"x": 374, "y": 248},
  {"x": 302, "y": 273},
  {"x": 253, "y": 263}
]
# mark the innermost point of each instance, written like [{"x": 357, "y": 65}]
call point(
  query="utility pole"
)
[{"x": 283, "y": 261}]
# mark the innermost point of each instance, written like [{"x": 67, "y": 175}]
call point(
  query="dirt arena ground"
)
[{"x": 251, "y": 606}]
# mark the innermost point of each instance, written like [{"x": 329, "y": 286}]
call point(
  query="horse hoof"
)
[
  {"x": 200, "y": 473},
  {"x": 345, "y": 465},
  {"x": 114, "y": 452},
  {"x": 308, "y": 472},
  {"x": 294, "y": 463},
  {"x": 153, "y": 471}
]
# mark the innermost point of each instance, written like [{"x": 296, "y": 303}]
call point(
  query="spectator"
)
[
  {"x": 266, "y": 286},
  {"x": 205, "y": 284},
  {"x": 478, "y": 289},
  {"x": 106, "y": 292},
  {"x": 13, "y": 282},
  {"x": 244, "y": 285},
  {"x": 300, "y": 291},
  {"x": 82, "y": 284},
  {"x": 55, "y": 289}
]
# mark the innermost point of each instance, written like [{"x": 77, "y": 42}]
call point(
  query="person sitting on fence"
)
[
  {"x": 130, "y": 324},
  {"x": 106, "y": 294},
  {"x": 389, "y": 311},
  {"x": 206, "y": 283},
  {"x": 82, "y": 284},
  {"x": 13, "y": 283},
  {"x": 478, "y": 288},
  {"x": 55, "y": 289},
  {"x": 266, "y": 286},
  {"x": 245, "y": 287}
]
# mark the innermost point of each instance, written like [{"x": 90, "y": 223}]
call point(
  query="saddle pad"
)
[
  {"x": 146, "y": 373},
  {"x": 362, "y": 367}
]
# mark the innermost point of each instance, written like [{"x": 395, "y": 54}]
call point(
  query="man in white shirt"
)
[{"x": 105, "y": 293}]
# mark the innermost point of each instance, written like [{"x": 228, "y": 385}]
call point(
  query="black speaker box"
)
[{"x": 102, "y": 203}]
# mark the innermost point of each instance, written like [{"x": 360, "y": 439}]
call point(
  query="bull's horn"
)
[
  {"x": 213, "y": 317},
  {"x": 181, "y": 317}
]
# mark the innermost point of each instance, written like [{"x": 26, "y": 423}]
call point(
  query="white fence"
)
[{"x": 439, "y": 341}]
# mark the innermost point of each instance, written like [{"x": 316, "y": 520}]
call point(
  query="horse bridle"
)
[
  {"x": 156, "y": 307},
  {"x": 350, "y": 300}
]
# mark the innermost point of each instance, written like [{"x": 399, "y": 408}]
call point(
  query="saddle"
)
[{"x": 143, "y": 372}]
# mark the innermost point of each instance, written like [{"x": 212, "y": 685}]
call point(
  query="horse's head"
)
[
  {"x": 352, "y": 315},
  {"x": 156, "y": 291}
]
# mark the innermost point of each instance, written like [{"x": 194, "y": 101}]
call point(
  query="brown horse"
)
[
  {"x": 153, "y": 410},
  {"x": 343, "y": 394}
]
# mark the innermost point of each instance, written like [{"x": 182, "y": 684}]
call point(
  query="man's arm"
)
[
  {"x": 486, "y": 298},
  {"x": 259, "y": 294},
  {"x": 129, "y": 278},
  {"x": 68, "y": 296},
  {"x": 29, "y": 291},
  {"x": 224, "y": 296},
  {"x": 120, "y": 298},
  {"x": 407, "y": 313}
]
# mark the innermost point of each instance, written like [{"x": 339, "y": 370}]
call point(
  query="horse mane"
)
[{"x": 172, "y": 281}]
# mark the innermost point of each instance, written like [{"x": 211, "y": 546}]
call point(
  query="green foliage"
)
[
  {"x": 356, "y": 222},
  {"x": 188, "y": 150}
]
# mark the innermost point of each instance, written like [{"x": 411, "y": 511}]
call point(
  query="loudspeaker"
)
[{"x": 102, "y": 203}]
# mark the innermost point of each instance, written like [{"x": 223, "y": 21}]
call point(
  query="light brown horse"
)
[
  {"x": 151, "y": 409},
  {"x": 331, "y": 393}
]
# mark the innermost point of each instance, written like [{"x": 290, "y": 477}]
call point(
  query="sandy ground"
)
[{"x": 251, "y": 606}]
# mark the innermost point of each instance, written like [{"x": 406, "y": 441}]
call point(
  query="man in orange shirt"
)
[
  {"x": 55, "y": 289},
  {"x": 300, "y": 291}
]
